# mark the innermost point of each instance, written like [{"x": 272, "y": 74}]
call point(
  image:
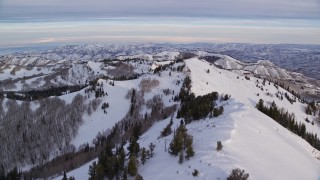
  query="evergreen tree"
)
[
  {"x": 238, "y": 174},
  {"x": 181, "y": 143},
  {"x": 167, "y": 130},
  {"x": 151, "y": 148},
  {"x": 195, "y": 172},
  {"x": 143, "y": 156},
  {"x": 122, "y": 157},
  {"x": 92, "y": 171},
  {"x": 100, "y": 171},
  {"x": 137, "y": 131},
  {"x": 260, "y": 105},
  {"x": 188, "y": 144},
  {"x": 112, "y": 167},
  {"x": 64, "y": 176},
  {"x": 132, "y": 166},
  {"x": 219, "y": 146},
  {"x": 189, "y": 152},
  {"x": 133, "y": 147},
  {"x": 176, "y": 144}
]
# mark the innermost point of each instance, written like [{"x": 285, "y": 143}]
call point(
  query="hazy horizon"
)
[{"x": 48, "y": 22}]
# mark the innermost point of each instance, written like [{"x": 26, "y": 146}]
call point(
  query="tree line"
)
[
  {"x": 41, "y": 94},
  {"x": 195, "y": 108},
  {"x": 288, "y": 121}
]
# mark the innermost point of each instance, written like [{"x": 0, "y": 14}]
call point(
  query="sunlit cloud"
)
[
  {"x": 46, "y": 40},
  {"x": 162, "y": 39}
]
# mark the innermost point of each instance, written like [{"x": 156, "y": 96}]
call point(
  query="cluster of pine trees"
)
[
  {"x": 96, "y": 88},
  {"x": 238, "y": 174},
  {"x": 167, "y": 66},
  {"x": 181, "y": 144},
  {"x": 116, "y": 162},
  {"x": 41, "y": 94},
  {"x": 167, "y": 130},
  {"x": 195, "y": 108},
  {"x": 110, "y": 163},
  {"x": 288, "y": 121},
  {"x": 211, "y": 59},
  {"x": 104, "y": 107}
]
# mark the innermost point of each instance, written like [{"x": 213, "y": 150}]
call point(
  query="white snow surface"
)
[
  {"x": 257, "y": 143},
  {"x": 98, "y": 121},
  {"x": 228, "y": 62},
  {"x": 244, "y": 91},
  {"x": 251, "y": 140},
  {"x": 262, "y": 67}
]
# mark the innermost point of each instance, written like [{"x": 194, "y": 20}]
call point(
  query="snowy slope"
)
[
  {"x": 241, "y": 89},
  {"x": 14, "y": 72},
  {"x": 263, "y": 67},
  {"x": 164, "y": 52},
  {"x": 228, "y": 62},
  {"x": 99, "y": 121},
  {"x": 251, "y": 140},
  {"x": 253, "y": 128}
]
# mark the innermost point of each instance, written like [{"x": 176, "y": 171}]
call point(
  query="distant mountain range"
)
[{"x": 304, "y": 59}]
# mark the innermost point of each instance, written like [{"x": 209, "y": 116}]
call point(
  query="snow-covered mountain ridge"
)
[
  {"x": 70, "y": 54},
  {"x": 307, "y": 87},
  {"x": 79, "y": 53},
  {"x": 251, "y": 140},
  {"x": 304, "y": 59}
]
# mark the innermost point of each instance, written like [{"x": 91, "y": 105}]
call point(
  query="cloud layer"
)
[
  {"x": 32, "y": 22},
  {"x": 182, "y": 30},
  {"x": 78, "y": 9}
]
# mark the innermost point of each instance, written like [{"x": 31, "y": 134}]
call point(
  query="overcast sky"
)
[{"x": 37, "y": 22}]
